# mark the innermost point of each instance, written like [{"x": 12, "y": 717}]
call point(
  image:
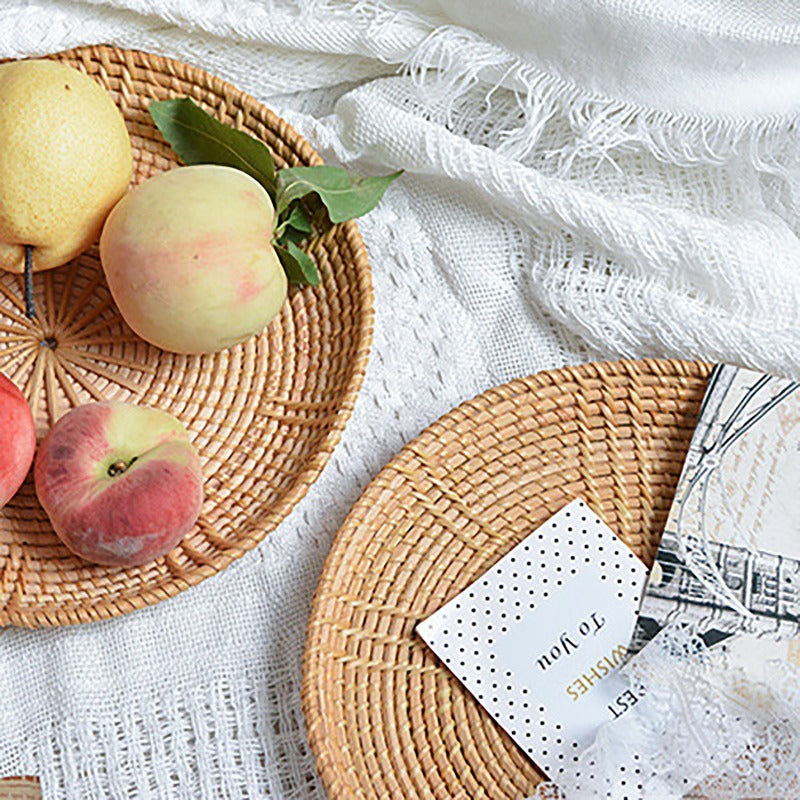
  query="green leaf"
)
[
  {"x": 198, "y": 138},
  {"x": 298, "y": 219},
  {"x": 290, "y": 235},
  {"x": 297, "y": 264},
  {"x": 293, "y": 225},
  {"x": 344, "y": 194}
]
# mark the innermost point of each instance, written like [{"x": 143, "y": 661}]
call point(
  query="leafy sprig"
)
[{"x": 198, "y": 138}]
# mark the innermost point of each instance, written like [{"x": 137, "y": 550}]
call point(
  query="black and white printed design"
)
[
  {"x": 729, "y": 559},
  {"x": 538, "y": 638}
]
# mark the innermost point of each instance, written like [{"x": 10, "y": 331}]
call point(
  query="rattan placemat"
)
[
  {"x": 265, "y": 414},
  {"x": 385, "y": 718}
]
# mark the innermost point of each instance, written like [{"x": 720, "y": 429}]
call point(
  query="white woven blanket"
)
[{"x": 585, "y": 178}]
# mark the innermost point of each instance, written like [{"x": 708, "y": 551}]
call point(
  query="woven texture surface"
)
[
  {"x": 265, "y": 415},
  {"x": 385, "y": 718}
]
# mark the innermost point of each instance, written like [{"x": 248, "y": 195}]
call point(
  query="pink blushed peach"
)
[
  {"x": 18, "y": 439},
  {"x": 122, "y": 484},
  {"x": 189, "y": 259}
]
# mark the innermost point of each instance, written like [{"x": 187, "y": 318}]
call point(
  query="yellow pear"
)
[{"x": 65, "y": 160}]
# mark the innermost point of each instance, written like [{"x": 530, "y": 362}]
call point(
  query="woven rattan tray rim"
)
[{"x": 105, "y": 54}]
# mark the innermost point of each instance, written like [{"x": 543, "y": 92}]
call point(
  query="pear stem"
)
[{"x": 30, "y": 307}]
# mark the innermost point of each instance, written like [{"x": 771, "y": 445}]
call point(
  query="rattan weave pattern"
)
[
  {"x": 265, "y": 414},
  {"x": 385, "y": 718}
]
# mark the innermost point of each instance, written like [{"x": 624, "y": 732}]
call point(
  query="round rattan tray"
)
[
  {"x": 385, "y": 718},
  {"x": 265, "y": 415}
]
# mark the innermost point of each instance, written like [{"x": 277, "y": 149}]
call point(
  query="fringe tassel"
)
[{"x": 455, "y": 61}]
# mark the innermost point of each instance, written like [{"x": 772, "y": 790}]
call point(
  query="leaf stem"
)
[{"x": 30, "y": 306}]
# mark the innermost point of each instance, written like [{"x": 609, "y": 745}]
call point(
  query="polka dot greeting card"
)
[{"x": 539, "y": 638}]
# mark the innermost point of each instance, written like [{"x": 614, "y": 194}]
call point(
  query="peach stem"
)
[{"x": 118, "y": 467}]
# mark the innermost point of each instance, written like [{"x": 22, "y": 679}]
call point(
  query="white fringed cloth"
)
[{"x": 584, "y": 179}]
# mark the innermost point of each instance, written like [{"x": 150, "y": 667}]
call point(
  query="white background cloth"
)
[{"x": 584, "y": 179}]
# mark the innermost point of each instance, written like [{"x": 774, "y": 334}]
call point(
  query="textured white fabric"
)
[{"x": 585, "y": 178}]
